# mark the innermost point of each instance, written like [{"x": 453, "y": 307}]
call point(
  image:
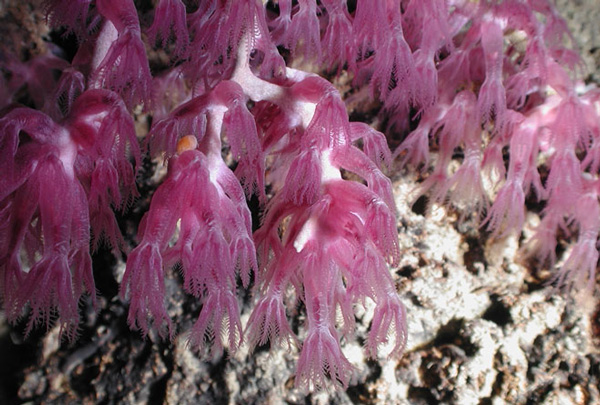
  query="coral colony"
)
[{"x": 486, "y": 84}]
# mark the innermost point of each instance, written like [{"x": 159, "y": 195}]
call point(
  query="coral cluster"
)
[{"x": 471, "y": 86}]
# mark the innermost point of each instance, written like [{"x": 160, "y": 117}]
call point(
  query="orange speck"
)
[{"x": 188, "y": 142}]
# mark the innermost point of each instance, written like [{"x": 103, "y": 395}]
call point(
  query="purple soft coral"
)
[
  {"x": 472, "y": 88},
  {"x": 48, "y": 197}
]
